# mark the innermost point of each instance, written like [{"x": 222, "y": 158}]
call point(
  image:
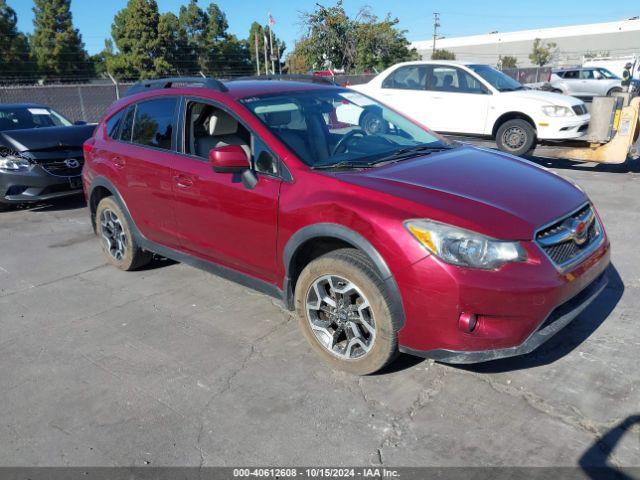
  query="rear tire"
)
[
  {"x": 118, "y": 243},
  {"x": 516, "y": 137},
  {"x": 5, "y": 207},
  {"x": 373, "y": 123},
  {"x": 343, "y": 311}
]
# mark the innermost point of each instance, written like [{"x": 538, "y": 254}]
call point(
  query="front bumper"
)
[
  {"x": 555, "y": 322},
  {"x": 559, "y": 128},
  {"x": 36, "y": 185},
  {"x": 517, "y": 308}
]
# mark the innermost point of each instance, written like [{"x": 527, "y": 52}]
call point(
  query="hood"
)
[
  {"x": 546, "y": 97},
  {"x": 49, "y": 138},
  {"x": 481, "y": 190}
]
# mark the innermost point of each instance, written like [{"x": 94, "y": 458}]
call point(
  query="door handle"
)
[
  {"x": 182, "y": 181},
  {"x": 118, "y": 162}
]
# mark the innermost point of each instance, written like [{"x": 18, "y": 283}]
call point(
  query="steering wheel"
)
[{"x": 343, "y": 142}]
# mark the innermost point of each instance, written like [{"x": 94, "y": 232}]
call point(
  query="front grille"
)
[
  {"x": 563, "y": 244},
  {"x": 61, "y": 169},
  {"x": 580, "y": 109}
]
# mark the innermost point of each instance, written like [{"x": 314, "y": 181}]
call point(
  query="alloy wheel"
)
[
  {"x": 340, "y": 317},
  {"x": 113, "y": 234}
]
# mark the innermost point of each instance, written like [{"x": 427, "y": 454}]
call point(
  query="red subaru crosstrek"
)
[{"x": 382, "y": 235}]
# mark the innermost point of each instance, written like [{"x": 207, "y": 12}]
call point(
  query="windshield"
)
[
  {"x": 497, "y": 79},
  {"x": 339, "y": 127},
  {"x": 20, "y": 118},
  {"x": 607, "y": 74}
]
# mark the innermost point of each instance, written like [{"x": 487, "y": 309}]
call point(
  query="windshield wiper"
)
[
  {"x": 409, "y": 152},
  {"x": 342, "y": 164}
]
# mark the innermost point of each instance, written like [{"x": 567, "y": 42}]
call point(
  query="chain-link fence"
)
[{"x": 89, "y": 102}]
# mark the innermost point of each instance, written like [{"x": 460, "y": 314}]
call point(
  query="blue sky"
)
[{"x": 463, "y": 17}]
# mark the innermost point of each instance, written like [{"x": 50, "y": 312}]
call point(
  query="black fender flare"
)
[
  {"x": 340, "y": 232},
  {"x": 104, "y": 182}
]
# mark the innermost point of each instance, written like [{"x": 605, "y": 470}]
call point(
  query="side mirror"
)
[{"x": 229, "y": 159}]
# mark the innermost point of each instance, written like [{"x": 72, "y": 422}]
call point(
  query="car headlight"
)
[
  {"x": 464, "y": 248},
  {"x": 557, "y": 111},
  {"x": 14, "y": 163}
]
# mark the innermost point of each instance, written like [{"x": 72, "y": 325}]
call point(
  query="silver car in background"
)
[{"x": 585, "y": 82}]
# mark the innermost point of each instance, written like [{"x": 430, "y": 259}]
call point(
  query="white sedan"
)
[{"x": 474, "y": 99}]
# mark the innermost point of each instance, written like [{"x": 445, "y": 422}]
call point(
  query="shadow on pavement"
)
[
  {"x": 630, "y": 166},
  {"x": 69, "y": 203},
  {"x": 594, "y": 462},
  {"x": 567, "y": 339},
  {"x": 157, "y": 262}
]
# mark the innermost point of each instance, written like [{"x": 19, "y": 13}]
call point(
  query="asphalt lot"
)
[{"x": 174, "y": 366}]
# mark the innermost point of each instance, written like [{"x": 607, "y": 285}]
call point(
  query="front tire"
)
[
  {"x": 614, "y": 91},
  {"x": 343, "y": 311},
  {"x": 516, "y": 137},
  {"x": 117, "y": 241}
]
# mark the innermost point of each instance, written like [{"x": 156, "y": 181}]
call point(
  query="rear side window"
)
[
  {"x": 411, "y": 77},
  {"x": 154, "y": 123},
  {"x": 571, "y": 74},
  {"x": 113, "y": 124}
]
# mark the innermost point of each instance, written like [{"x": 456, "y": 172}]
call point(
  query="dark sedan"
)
[{"x": 40, "y": 154}]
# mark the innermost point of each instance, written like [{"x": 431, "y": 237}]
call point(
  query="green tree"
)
[
  {"x": 174, "y": 55},
  {"x": 443, "y": 55},
  {"x": 332, "y": 37},
  {"x": 542, "y": 53},
  {"x": 379, "y": 43},
  {"x": 56, "y": 45},
  {"x": 135, "y": 33},
  {"x": 223, "y": 54},
  {"x": 508, "y": 61},
  {"x": 334, "y": 40},
  {"x": 299, "y": 60},
  {"x": 15, "y": 61},
  {"x": 194, "y": 21}
]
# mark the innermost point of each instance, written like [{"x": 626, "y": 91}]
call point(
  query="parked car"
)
[
  {"x": 40, "y": 154},
  {"x": 382, "y": 242},
  {"x": 586, "y": 82},
  {"x": 473, "y": 99}
]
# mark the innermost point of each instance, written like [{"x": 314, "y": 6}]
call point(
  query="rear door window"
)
[
  {"x": 411, "y": 77},
  {"x": 155, "y": 122},
  {"x": 127, "y": 124}
]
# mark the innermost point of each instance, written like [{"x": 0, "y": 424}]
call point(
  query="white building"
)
[{"x": 611, "y": 39}]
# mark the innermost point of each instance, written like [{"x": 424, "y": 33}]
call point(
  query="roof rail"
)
[{"x": 145, "y": 85}]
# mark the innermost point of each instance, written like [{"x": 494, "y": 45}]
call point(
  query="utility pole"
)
[
  {"x": 436, "y": 25},
  {"x": 273, "y": 64},
  {"x": 266, "y": 61}
]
